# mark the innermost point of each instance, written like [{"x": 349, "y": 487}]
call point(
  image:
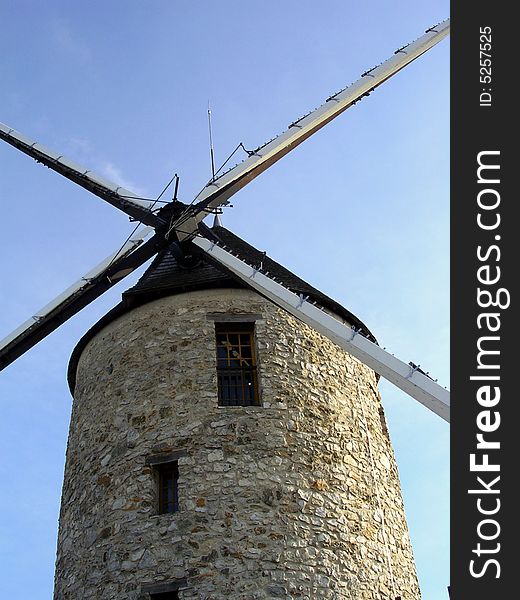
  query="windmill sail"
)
[
  {"x": 407, "y": 377},
  {"x": 96, "y": 282},
  {"x": 112, "y": 193},
  {"x": 218, "y": 191}
]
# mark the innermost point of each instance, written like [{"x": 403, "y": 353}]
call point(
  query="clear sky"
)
[{"x": 360, "y": 210}]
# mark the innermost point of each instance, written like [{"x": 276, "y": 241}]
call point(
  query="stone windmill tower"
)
[
  {"x": 227, "y": 437},
  {"x": 248, "y": 459}
]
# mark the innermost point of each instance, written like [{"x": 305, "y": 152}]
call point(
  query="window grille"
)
[{"x": 236, "y": 364}]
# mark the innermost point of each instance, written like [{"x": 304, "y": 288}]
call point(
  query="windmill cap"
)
[{"x": 168, "y": 275}]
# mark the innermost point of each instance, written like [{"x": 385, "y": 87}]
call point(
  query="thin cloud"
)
[
  {"x": 81, "y": 146},
  {"x": 110, "y": 171},
  {"x": 69, "y": 41},
  {"x": 84, "y": 152}
]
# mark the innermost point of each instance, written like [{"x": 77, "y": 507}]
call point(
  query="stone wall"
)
[{"x": 277, "y": 501}]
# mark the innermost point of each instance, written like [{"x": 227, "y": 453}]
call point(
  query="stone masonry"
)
[{"x": 288, "y": 500}]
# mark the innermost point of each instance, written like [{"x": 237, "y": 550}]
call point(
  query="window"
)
[
  {"x": 167, "y": 478},
  {"x": 165, "y": 596},
  {"x": 236, "y": 364},
  {"x": 165, "y": 471}
]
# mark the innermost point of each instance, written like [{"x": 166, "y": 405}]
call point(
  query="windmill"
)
[{"x": 179, "y": 225}]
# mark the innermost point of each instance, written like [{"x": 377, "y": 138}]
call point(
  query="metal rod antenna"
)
[
  {"x": 176, "y": 187},
  {"x": 211, "y": 150}
]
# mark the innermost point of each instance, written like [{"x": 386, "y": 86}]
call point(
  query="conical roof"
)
[{"x": 170, "y": 274}]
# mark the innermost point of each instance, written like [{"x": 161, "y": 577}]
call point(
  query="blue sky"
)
[{"x": 360, "y": 210}]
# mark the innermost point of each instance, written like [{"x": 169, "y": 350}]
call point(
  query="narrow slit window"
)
[
  {"x": 165, "y": 596},
  {"x": 236, "y": 364},
  {"x": 167, "y": 479}
]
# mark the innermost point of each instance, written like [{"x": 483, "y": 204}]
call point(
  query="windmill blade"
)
[
  {"x": 118, "y": 196},
  {"x": 110, "y": 271},
  {"x": 407, "y": 377},
  {"x": 218, "y": 191}
]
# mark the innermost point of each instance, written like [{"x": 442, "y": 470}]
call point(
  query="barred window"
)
[{"x": 236, "y": 364}]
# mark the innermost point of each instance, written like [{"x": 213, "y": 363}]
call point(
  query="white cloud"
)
[
  {"x": 110, "y": 171},
  {"x": 82, "y": 150}
]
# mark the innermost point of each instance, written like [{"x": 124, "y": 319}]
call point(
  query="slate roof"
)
[{"x": 169, "y": 274}]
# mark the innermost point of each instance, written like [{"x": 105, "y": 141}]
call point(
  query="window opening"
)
[
  {"x": 236, "y": 364},
  {"x": 168, "y": 477},
  {"x": 164, "y": 590}
]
